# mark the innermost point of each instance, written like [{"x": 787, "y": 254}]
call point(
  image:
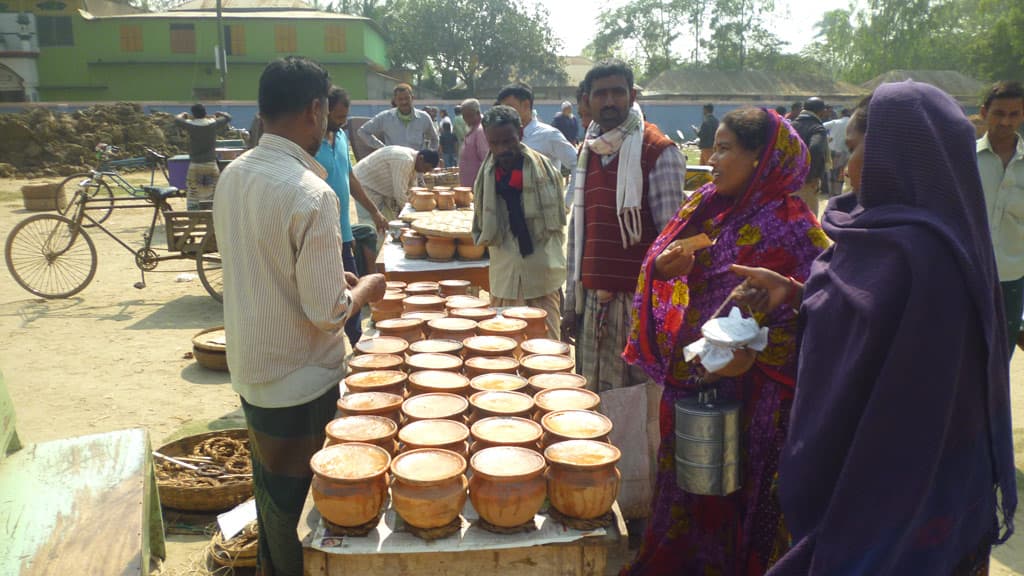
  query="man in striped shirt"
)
[
  {"x": 287, "y": 296},
  {"x": 386, "y": 176}
]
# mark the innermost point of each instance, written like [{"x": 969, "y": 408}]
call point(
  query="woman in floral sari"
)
[{"x": 749, "y": 211}]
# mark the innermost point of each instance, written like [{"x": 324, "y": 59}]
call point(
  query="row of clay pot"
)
[
  {"x": 440, "y": 248},
  {"x": 396, "y": 302},
  {"x": 440, "y": 198},
  {"x": 429, "y": 487},
  {"x": 450, "y": 360}
]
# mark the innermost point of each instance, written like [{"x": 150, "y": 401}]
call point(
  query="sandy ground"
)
[{"x": 113, "y": 357}]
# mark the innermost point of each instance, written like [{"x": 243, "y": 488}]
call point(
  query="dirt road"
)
[{"x": 112, "y": 357}]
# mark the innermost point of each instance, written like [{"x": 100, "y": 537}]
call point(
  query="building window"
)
[
  {"x": 131, "y": 38},
  {"x": 284, "y": 38},
  {"x": 54, "y": 31},
  {"x": 334, "y": 38},
  {"x": 183, "y": 38},
  {"x": 234, "y": 39}
]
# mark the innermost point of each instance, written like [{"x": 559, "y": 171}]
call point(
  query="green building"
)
[{"x": 97, "y": 50}]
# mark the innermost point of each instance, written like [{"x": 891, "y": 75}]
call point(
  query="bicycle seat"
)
[{"x": 161, "y": 192}]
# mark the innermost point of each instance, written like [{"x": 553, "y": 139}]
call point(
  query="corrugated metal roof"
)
[
  {"x": 248, "y": 5},
  {"x": 746, "y": 84},
  {"x": 108, "y": 8},
  {"x": 949, "y": 81},
  {"x": 269, "y": 14}
]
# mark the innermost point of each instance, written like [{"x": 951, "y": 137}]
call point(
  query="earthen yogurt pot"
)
[
  {"x": 555, "y": 399},
  {"x": 408, "y": 329},
  {"x": 489, "y": 346},
  {"x": 498, "y": 381},
  {"x": 423, "y": 302},
  {"x": 427, "y": 381},
  {"x": 382, "y": 345},
  {"x": 459, "y": 301},
  {"x": 505, "y": 431},
  {"x": 453, "y": 287},
  {"x": 390, "y": 306},
  {"x": 376, "y": 430},
  {"x": 422, "y": 288},
  {"x": 371, "y": 362},
  {"x": 429, "y": 489},
  {"x": 350, "y": 482},
  {"x": 480, "y": 365},
  {"x": 390, "y": 381},
  {"x": 582, "y": 479},
  {"x": 372, "y": 404},
  {"x": 476, "y": 314},
  {"x": 436, "y": 346},
  {"x": 443, "y": 434},
  {"x": 500, "y": 403},
  {"x": 508, "y": 486},
  {"x": 535, "y": 318},
  {"x": 433, "y": 361},
  {"x": 559, "y": 380},
  {"x": 435, "y": 405},
  {"x": 452, "y": 328},
  {"x": 544, "y": 346},
  {"x": 575, "y": 425},
  {"x": 508, "y": 327},
  {"x": 535, "y": 364}
]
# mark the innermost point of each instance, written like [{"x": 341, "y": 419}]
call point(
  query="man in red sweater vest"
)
[{"x": 627, "y": 186}]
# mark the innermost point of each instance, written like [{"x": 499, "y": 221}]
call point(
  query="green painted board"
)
[{"x": 84, "y": 505}]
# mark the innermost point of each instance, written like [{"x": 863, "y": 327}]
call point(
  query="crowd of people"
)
[{"x": 875, "y": 425}]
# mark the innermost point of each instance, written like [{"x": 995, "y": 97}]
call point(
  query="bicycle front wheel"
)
[
  {"x": 50, "y": 256},
  {"x": 82, "y": 186},
  {"x": 211, "y": 274}
]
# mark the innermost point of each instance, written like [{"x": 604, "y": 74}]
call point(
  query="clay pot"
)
[
  {"x": 452, "y": 328},
  {"x": 560, "y": 380},
  {"x": 555, "y": 399},
  {"x": 582, "y": 480},
  {"x": 500, "y": 403},
  {"x": 422, "y": 288},
  {"x": 463, "y": 196},
  {"x": 390, "y": 306},
  {"x": 415, "y": 189},
  {"x": 390, "y": 381},
  {"x": 436, "y": 346},
  {"x": 382, "y": 345},
  {"x": 575, "y": 425},
  {"x": 536, "y": 319},
  {"x": 475, "y": 314},
  {"x": 371, "y": 362},
  {"x": 414, "y": 245},
  {"x": 508, "y": 327},
  {"x": 439, "y": 189},
  {"x": 506, "y": 431},
  {"x": 453, "y": 288},
  {"x": 443, "y": 434},
  {"x": 350, "y": 482},
  {"x": 467, "y": 250},
  {"x": 489, "y": 346},
  {"x": 480, "y": 365},
  {"x": 429, "y": 490},
  {"x": 372, "y": 404},
  {"x": 535, "y": 364},
  {"x": 395, "y": 285},
  {"x": 423, "y": 303},
  {"x": 498, "y": 381},
  {"x": 408, "y": 329},
  {"x": 440, "y": 249},
  {"x": 423, "y": 201},
  {"x": 445, "y": 200},
  {"x": 433, "y": 361},
  {"x": 544, "y": 346},
  {"x": 435, "y": 405},
  {"x": 460, "y": 301},
  {"x": 376, "y": 430},
  {"x": 426, "y": 381},
  {"x": 425, "y": 315},
  {"x": 508, "y": 486}
]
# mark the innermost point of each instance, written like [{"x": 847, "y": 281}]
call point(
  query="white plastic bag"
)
[{"x": 722, "y": 336}]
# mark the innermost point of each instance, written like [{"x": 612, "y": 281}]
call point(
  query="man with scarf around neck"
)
[
  {"x": 519, "y": 215},
  {"x": 402, "y": 125},
  {"x": 628, "y": 184}
]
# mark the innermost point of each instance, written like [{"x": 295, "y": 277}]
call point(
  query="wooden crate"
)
[{"x": 187, "y": 230}]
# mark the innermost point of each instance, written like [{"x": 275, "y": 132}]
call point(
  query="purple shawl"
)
[{"x": 900, "y": 442}]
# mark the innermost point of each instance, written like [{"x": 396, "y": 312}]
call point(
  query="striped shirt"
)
[
  {"x": 386, "y": 176},
  {"x": 285, "y": 300}
]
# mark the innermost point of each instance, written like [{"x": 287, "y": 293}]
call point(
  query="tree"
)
[
  {"x": 997, "y": 49},
  {"x": 834, "y": 43},
  {"x": 481, "y": 43},
  {"x": 739, "y": 29}
]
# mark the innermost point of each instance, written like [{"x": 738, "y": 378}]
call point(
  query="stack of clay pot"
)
[{"x": 455, "y": 401}]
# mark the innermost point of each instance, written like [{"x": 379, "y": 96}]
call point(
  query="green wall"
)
[{"x": 96, "y": 67}]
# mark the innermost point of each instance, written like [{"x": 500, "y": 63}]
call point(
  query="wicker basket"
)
[
  {"x": 203, "y": 498},
  {"x": 239, "y": 552},
  {"x": 39, "y": 196}
]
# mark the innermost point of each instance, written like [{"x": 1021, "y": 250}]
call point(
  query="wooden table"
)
[
  {"x": 391, "y": 262},
  {"x": 585, "y": 556}
]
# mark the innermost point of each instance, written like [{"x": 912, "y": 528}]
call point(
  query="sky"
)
[{"x": 575, "y": 21}]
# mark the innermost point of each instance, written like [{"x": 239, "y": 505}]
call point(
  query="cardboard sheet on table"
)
[{"x": 390, "y": 536}]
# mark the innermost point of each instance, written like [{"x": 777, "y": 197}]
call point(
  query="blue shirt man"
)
[{"x": 333, "y": 156}]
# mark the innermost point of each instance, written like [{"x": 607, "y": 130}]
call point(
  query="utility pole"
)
[{"x": 222, "y": 59}]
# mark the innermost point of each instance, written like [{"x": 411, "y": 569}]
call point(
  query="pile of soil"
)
[{"x": 39, "y": 143}]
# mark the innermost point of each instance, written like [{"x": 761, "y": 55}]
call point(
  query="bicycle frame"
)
[{"x": 158, "y": 205}]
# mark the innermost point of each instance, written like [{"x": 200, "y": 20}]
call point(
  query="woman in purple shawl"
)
[{"x": 899, "y": 444}]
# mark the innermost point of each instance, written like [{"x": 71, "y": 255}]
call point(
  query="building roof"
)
[
  {"x": 243, "y": 5},
  {"x": 576, "y": 67},
  {"x": 950, "y": 81},
  {"x": 109, "y": 8},
  {"x": 280, "y": 14},
  {"x": 746, "y": 84}
]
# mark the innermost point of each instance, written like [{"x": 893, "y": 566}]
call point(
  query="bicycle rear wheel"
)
[
  {"x": 50, "y": 256},
  {"x": 100, "y": 197},
  {"x": 211, "y": 274}
]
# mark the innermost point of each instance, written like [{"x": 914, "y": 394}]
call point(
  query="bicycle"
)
[
  {"x": 53, "y": 256},
  {"x": 96, "y": 183}
]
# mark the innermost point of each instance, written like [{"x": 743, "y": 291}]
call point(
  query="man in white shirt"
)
[
  {"x": 402, "y": 125},
  {"x": 1001, "y": 165},
  {"x": 287, "y": 297},
  {"x": 539, "y": 136},
  {"x": 386, "y": 176},
  {"x": 837, "y": 147}
]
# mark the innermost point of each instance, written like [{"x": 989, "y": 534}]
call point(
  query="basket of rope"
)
[
  {"x": 239, "y": 551},
  {"x": 208, "y": 472}
]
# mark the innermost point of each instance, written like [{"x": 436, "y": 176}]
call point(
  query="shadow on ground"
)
[
  {"x": 197, "y": 311},
  {"x": 196, "y": 374}
]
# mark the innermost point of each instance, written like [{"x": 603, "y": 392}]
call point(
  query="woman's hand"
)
[
  {"x": 765, "y": 290},
  {"x": 672, "y": 263}
]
